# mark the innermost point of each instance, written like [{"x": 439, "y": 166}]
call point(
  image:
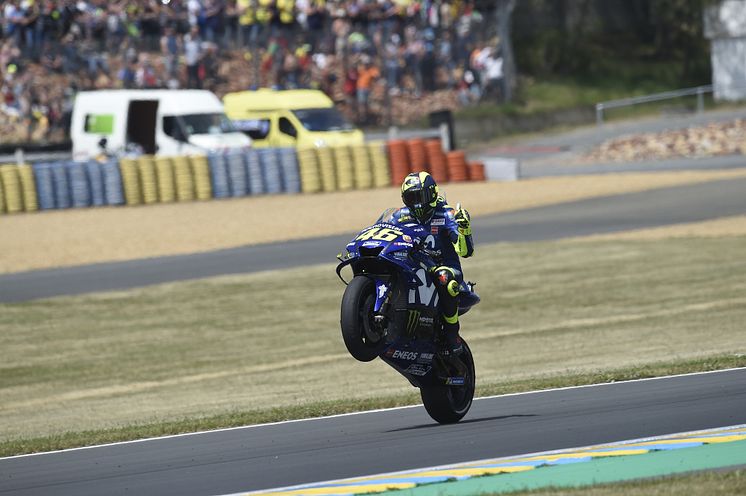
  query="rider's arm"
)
[{"x": 459, "y": 228}]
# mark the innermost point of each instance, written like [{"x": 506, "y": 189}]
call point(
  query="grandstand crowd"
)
[{"x": 371, "y": 56}]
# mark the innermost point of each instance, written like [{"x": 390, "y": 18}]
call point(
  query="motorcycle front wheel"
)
[
  {"x": 361, "y": 336},
  {"x": 449, "y": 404}
]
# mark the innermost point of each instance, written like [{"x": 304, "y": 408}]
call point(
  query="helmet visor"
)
[{"x": 414, "y": 197}]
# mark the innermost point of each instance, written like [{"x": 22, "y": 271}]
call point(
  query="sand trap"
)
[{"x": 74, "y": 237}]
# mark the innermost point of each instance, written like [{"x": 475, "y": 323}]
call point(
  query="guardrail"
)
[{"x": 699, "y": 91}]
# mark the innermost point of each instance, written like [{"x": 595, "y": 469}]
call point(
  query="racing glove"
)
[{"x": 463, "y": 220}]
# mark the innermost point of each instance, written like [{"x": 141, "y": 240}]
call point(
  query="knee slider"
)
[{"x": 446, "y": 279}]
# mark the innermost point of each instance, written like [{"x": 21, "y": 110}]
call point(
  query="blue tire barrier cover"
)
[
  {"x": 218, "y": 175},
  {"x": 271, "y": 170},
  {"x": 290, "y": 174},
  {"x": 61, "y": 185},
  {"x": 237, "y": 174},
  {"x": 44, "y": 186},
  {"x": 254, "y": 172},
  {"x": 95, "y": 175},
  {"x": 113, "y": 188},
  {"x": 79, "y": 188}
]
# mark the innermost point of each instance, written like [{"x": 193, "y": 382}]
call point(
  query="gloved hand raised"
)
[{"x": 463, "y": 220}]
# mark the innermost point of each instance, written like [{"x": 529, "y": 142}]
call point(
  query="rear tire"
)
[
  {"x": 361, "y": 336},
  {"x": 449, "y": 404}
]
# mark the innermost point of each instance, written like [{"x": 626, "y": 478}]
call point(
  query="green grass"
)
[
  {"x": 266, "y": 346},
  {"x": 712, "y": 483}
]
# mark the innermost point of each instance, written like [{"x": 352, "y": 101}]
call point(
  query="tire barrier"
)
[
  {"x": 380, "y": 165},
  {"x": 254, "y": 177},
  {"x": 308, "y": 166},
  {"x": 130, "y": 181},
  {"x": 200, "y": 174},
  {"x": 95, "y": 173},
  {"x": 148, "y": 179},
  {"x": 326, "y": 169},
  {"x": 362, "y": 167},
  {"x": 44, "y": 186},
  {"x": 113, "y": 184},
  {"x": 28, "y": 188},
  {"x": 476, "y": 171},
  {"x": 12, "y": 189},
  {"x": 164, "y": 174},
  {"x": 184, "y": 179},
  {"x": 399, "y": 160},
  {"x": 344, "y": 170},
  {"x": 290, "y": 175},
  {"x": 80, "y": 192},
  {"x": 417, "y": 156},
  {"x": 457, "y": 169},
  {"x": 219, "y": 176},
  {"x": 271, "y": 171},
  {"x": 237, "y": 174},
  {"x": 437, "y": 160}
]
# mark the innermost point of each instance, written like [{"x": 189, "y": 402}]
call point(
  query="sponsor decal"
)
[
  {"x": 428, "y": 321},
  {"x": 407, "y": 238},
  {"x": 405, "y": 355},
  {"x": 427, "y": 356},
  {"x": 371, "y": 244},
  {"x": 390, "y": 352},
  {"x": 434, "y": 230},
  {"x": 405, "y": 245},
  {"x": 412, "y": 319},
  {"x": 455, "y": 381},
  {"x": 400, "y": 254},
  {"x": 418, "y": 370},
  {"x": 438, "y": 222},
  {"x": 382, "y": 291}
]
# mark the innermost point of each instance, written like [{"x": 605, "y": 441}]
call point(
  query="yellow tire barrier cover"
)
[
  {"x": 381, "y": 172},
  {"x": 183, "y": 179},
  {"x": 362, "y": 167},
  {"x": 164, "y": 171},
  {"x": 28, "y": 188},
  {"x": 12, "y": 188},
  {"x": 326, "y": 168},
  {"x": 130, "y": 181},
  {"x": 148, "y": 179},
  {"x": 200, "y": 169},
  {"x": 308, "y": 165},
  {"x": 343, "y": 168}
]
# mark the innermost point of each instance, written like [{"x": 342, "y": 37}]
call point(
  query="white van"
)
[{"x": 155, "y": 122}]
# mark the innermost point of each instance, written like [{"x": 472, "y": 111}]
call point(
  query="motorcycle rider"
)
[{"x": 450, "y": 237}]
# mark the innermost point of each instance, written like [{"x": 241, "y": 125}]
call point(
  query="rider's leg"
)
[{"x": 447, "y": 283}]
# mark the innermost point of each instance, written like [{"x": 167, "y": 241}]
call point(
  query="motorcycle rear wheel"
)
[
  {"x": 361, "y": 336},
  {"x": 449, "y": 404}
]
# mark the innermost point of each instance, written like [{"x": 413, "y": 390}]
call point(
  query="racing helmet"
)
[{"x": 419, "y": 192}]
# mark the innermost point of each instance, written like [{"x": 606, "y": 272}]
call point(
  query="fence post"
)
[
  {"x": 599, "y": 114},
  {"x": 700, "y": 100}
]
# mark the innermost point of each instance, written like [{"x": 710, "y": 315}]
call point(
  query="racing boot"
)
[{"x": 454, "y": 346}]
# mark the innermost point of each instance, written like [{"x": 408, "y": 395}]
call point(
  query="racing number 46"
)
[{"x": 379, "y": 234}]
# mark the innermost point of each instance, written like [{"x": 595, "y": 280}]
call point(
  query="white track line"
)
[{"x": 253, "y": 426}]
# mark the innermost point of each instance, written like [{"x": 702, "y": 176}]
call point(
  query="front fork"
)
[{"x": 380, "y": 310}]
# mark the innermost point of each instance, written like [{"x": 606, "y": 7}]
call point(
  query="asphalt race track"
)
[
  {"x": 652, "y": 208},
  {"x": 290, "y": 453}
]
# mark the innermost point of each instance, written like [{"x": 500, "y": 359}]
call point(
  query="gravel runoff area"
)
[{"x": 75, "y": 237}]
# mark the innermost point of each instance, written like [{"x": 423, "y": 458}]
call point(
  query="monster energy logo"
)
[{"x": 412, "y": 321}]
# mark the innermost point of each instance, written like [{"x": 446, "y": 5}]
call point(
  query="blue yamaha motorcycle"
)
[{"x": 390, "y": 310}]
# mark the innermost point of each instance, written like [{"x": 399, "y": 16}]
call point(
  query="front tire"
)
[
  {"x": 361, "y": 336},
  {"x": 449, "y": 404}
]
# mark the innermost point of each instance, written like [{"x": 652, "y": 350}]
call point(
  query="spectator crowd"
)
[{"x": 368, "y": 55}]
